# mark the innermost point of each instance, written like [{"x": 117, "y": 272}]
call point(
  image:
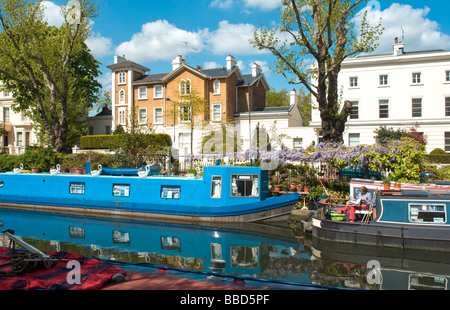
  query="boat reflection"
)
[
  {"x": 280, "y": 252},
  {"x": 251, "y": 249}
]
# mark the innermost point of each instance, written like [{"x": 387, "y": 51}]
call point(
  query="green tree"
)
[
  {"x": 277, "y": 99},
  {"x": 322, "y": 29},
  {"x": 190, "y": 108},
  {"x": 49, "y": 69}
]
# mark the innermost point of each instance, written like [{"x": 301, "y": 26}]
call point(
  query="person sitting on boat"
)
[{"x": 363, "y": 200}]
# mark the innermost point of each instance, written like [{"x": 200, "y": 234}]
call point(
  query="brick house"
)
[{"x": 227, "y": 91}]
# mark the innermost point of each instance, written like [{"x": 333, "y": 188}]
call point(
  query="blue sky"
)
[{"x": 152, "y": 32}]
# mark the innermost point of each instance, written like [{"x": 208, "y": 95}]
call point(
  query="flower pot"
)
[
  {"x": 34, "y": 169},
  {"x": 292, "y": 187},
  {"x": 306, "y": 189},
  {"x": 397, "y": 186},
  {"x": 277, "y": 188},
  {"x": 79, "y": 171},
  {"x": 299, "y": 188},
  {"x": 386, "y": 187}
]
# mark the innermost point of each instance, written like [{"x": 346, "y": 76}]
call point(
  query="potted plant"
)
[
  {"x": 397, "y": 186},
  {"x": 191, "y": 173},
  {"x": 292, "y": 187},
  {"x": 35, "y": 169},
  {"x": 386, "y": 181}
]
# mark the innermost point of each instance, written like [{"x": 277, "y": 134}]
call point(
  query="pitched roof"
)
[{"x": 127, "y": 64}]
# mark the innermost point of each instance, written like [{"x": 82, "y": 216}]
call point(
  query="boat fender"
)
[
  {"x": 118, "y": 278},
  {"x": 309, "y": 216}
]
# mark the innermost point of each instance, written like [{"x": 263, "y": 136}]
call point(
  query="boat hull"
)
[{"x": 414, "y": 237}]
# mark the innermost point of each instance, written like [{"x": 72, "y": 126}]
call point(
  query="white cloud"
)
[
  {"x": 99, "y": 45},
  {"x": 263, "y": 5},
  {"x": 160, "y": 40},
  {"x": 232, "y": 38},
  {"x": 222, "y": 4},
  {"x": 420, "y": 32},
  {"x": 52, "y": 13}
]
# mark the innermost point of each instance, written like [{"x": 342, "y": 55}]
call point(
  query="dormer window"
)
[{"x": 122, "y": 77}]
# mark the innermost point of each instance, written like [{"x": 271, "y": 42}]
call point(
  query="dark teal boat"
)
[{"x": 415, "y": 219}]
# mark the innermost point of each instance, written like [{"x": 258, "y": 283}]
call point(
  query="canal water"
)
[{"x": 277, "y": 251}]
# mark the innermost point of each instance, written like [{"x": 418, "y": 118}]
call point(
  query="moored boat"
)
[
  {"x": 407, "y": 219},
  {"x": 222, "y": 194}
]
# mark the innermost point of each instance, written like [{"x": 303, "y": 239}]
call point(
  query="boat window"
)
[
  {"x": 170, "y": 192},
  {"x": 76, "y": 188},
  {"x": 121, "y": 190},
  {"x": 216, "y": 187},
  {"x": 244, "y": 185},
  {"x": 427, "y": 213}
]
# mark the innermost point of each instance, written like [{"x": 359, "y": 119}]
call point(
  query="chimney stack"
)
[
  {"x": 176, "y": 63},
  {"x": 231, "y": 62},
  {"x": 399, "y": 48},
  {"x": 256, "y": 70},
  {"x": 294, "y": 97},
  {"x": 118, "y": 59}
]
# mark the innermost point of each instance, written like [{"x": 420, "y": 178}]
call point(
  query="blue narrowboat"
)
[
  {"x": 415, "y": 219},
  {"x": 222, "y": 194}
]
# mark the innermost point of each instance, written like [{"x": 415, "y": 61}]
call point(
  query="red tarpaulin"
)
[{"x": 93, "y": 274}]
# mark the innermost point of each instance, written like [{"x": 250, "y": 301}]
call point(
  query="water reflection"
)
[{"x": 276, "y": 252}]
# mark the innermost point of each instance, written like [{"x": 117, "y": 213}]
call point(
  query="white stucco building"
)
[
  {"x": 397, "y": 90},
  {"x": 19, "y": 132}
]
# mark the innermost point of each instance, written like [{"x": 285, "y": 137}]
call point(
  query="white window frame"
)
[
  {"x": 354, "y": 82},
  {"x": 122, "y": 96},
  {"x": 181, "y": 114},
  {"x": 354, "y": 114},
  {"x": 447, "y": 75},
  {"x": 140, "y": 95},
  {"x": 142, "y": 112},
  {"x": 122, "y": 79},
  {"x": 384, "y": 102},
  {"x": 297, "y": 143},
  {"x": 155, "y": 119},
  {"x": 155, "y": 94},
  {"x": 216, "y": 87},
  {"x": 416, "y": 107},
  {"x": 384, "y": 80},
  {"x": 213, "y": 112},
  {"x": 122, "y": 116},
  {"x": 417, "y": 78},
  {"x": 19, "y": 141},
  {"x": 184, "y": 89},
  {"x": 354, "y": 137}
]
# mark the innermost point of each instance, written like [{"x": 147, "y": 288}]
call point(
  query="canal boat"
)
[
  {"x": 407, "y": 219},
  {"x": 221, "y": 194}
]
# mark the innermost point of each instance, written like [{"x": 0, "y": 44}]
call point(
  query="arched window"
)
[
  {"x": 216, "y": 87},
  {"x": 185, "y": 87},
  {"x": 122, "y": 77},
  {"x": 121, "y": 96}
]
